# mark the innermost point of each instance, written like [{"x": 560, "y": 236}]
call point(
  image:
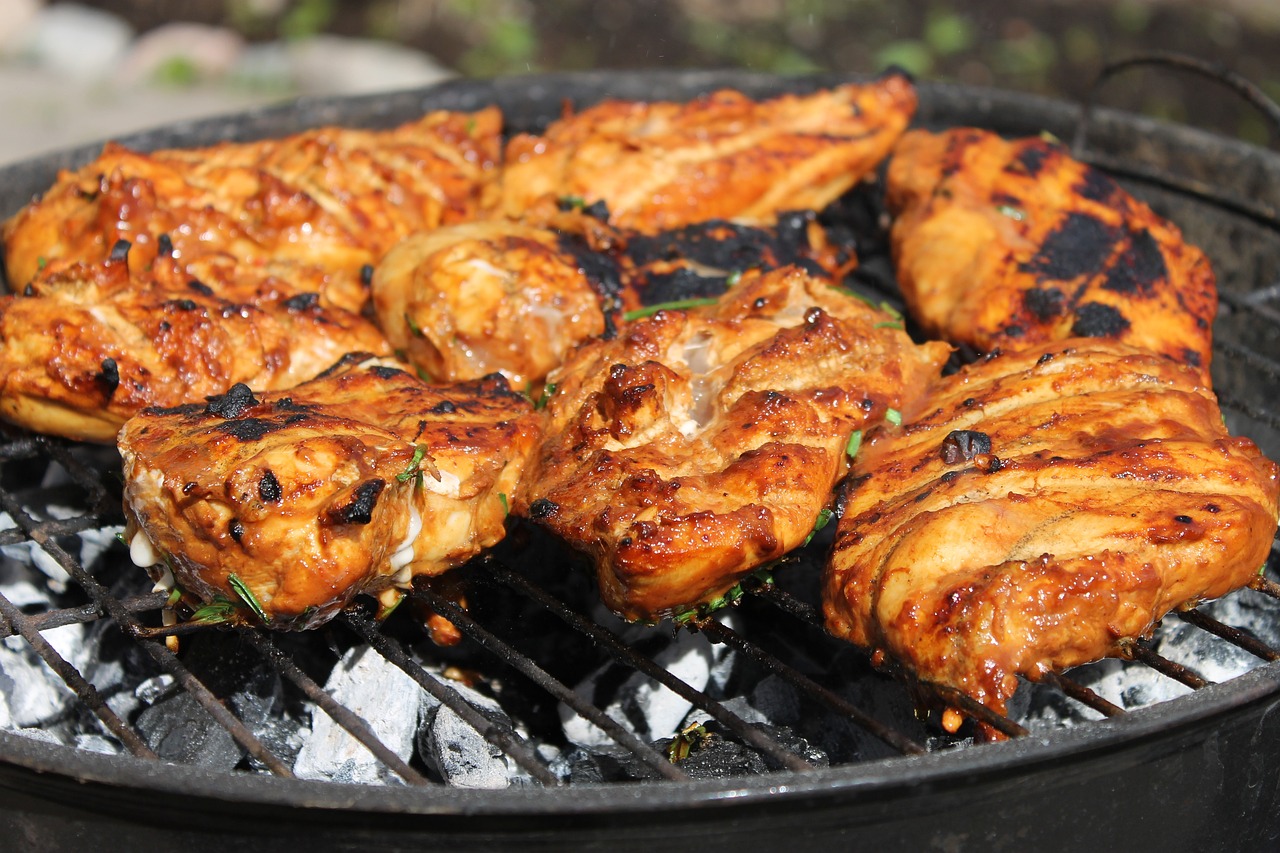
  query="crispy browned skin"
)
[
  {"x": 699, "y": 445},
  {"x": 333, "y": 198},
  {"x": 91, "y": 344},
  {"x": 1009, "y": 243},
  {"x": 661, "y": 165},
  {"x": 312, "y": 496},
  {"x": 1111, "y": 494},
  {"x": 467, "y": 300}
]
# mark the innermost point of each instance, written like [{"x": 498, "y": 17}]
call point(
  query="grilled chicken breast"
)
[
  {"x": 699, "y": 445},
  {"x": 1009, "y": 243},
  {"x": 467, "y": 300},
  {"x": 1039, "y": 509},
  {"x": 331, "y": 198},
  {"x": 661, "y": 165},
  {"x": 289, "y": 504},
  {"x": 88, "y": 345}
]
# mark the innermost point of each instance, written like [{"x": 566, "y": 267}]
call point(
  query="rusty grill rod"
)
[
  {"x": 1252, "y": 645},
  {"x": 86, "y": 613},
  {"x": 721, "y": 633},
  {"x": 629, "y": 657},
  {"x": 1082, "y": 694},
  {"x": 505, "y": 739},
  {"x": 129, "y": 624},
  {"x": 352, "y": 722},
  {"x": 504, "y": 652},
  {"x": 1164, "y": 666},
  {"x": 14, "y": 619}
]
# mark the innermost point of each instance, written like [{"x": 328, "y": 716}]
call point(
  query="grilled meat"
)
[
  {"x": 1039, "y": 509},
  {"x": 699, "y": 445},
  {"x": 1009, "y": 243},
  {"x": 294, "y": 502},
  {"x": 467, "y": 300},
  {"x": 335, "y": 199},
  {"x": 662, "y": 165},
  {"x": 90, "y": 344}
]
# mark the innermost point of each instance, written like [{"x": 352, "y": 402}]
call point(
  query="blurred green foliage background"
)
[{"x": 1053, "y": 47}]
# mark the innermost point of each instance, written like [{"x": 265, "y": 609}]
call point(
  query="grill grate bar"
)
[
  {"x": 14, "y": 620},
  {"x": 1082, "y": 694},
  {"x": 1256, "y": 360},
  {"x": 1164, "y": 666},
  {"x": 459, "y": 617},
  {"x": 505, "y": 739},
  {"x": 86, "y": 613},
  {"x": 354, "y": 724},
  {"x": 1252, "y": 645},
  {"x": 722, "y": 633},
  {"x": 628, "y": 656},
  {"x": 102, "y": 501},
  {"x": 130, "y": 625},
  {"x": 975, "y": 709},
  {"x": 1260, "y": 415}
]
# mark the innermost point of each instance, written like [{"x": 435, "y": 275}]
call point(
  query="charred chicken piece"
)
[
  {"x": 289, "y": 504},
  {"x": 1039, "y": 510},
  {"x": 335, "y": 199},
  {"x": 467, "y": 300},
  {"x": 89, "y": 345},
  {"x": 1004, "y": 244},
  {"x": 699, "y": 445},
  {"x": 662, "y": 165}
]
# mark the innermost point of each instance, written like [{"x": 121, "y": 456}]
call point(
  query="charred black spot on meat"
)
[
  {"x": 1044, "y": 359},
  {"x": 963, "y": 445},
  {"x": 1030, "y": 160},
  {"x": 602, "y": 275},
  {"x": 182, "y": 304},
  {"x": 359, "y": 510},
  {"x": 269, "y": 487},
  {"x": 1044, "y": 303},
  {"x": 1139, "y": 268},
  {"x": 249, "y": 429},
  {"x": 232, "y": 404},
  {"x": 346, "y": 361},
  {"x": 120, "y": 251},
  {"x": 679, "y": 284},
  {"x": 543, "y": 508},
  {"x": 200, "y": 287},
  {"x": 302, "y": 302},
  {"x": 236, "y": 529},
  {"x": 1096, "y": 186},
  {"x": 185, "y": 409},
  {"x": 444, "y": 407},
  {"x": 366, "y": 274},
  {"x": 1191, "y": 357},
  {"x": 383, "y": 371},
  {"x": 1095, "y": 320},
  {"x": 1013, "y": 330},
  {"x": 108, "y": 378},
  {"x": 164, "y": 245},
  {"x": 1080, "y": 246}
]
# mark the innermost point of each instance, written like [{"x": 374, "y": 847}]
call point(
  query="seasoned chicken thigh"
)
[
  {"x": 1009, "y": 243},
  {"x": 1039, "y": 509},
  {"x": 662, "y": 165},
  {"x": 699, "y": 445},
  {"x": 90, "y": 344},
  {"x": 289, "y": 504},
  {"x": 335, "y": 199}
]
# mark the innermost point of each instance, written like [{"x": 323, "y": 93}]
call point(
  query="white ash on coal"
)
[
  {"x": 382, "y": 695},
  {"x": 459, "y": 754}
]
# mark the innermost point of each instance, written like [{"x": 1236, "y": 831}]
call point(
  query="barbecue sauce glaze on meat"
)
[
  {"x": 660, "y": 165},
  {"x": 1038, "y": 509},
  {"x": 355, "y": 482},
  {"x": 87, "y": 345},
  {"x": 698, "y": 445},
  {"x": 1010, "y": 243}
]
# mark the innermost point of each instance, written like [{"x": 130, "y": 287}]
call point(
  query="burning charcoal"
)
[
  {"x": 639, "y": 703},
  {"x": 714, "y": 753},
  {"x": 607, "y": 763},
  {"x": 98, "y": 743},
  {"x": 385, "y": 698},
  {"x": 179, "y": 729},
  {"x": 459, "y": 753},
  {"x": 30, "y": 693}
]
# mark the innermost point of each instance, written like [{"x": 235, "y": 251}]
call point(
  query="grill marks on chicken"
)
[
  {"x": 354, "y": 482},
  {"x": 699, "y": 445},
  {"x": 91, "y": 344},
  {"x": 1005, "y": 244},
  {"x": 1039, "y": 509},
  {"x": 660, "y": 165},
  {"x": 335, "y": 199}
]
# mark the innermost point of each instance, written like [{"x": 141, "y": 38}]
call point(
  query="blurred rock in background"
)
[{"x": 72, "y": 72}]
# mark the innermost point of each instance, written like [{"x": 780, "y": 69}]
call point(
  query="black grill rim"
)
[{"x": 36, "y": 767}]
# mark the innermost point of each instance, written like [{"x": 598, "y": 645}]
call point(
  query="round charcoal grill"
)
[{"x": 852, "y": 764}]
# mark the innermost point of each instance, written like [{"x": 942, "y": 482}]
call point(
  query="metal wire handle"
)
[{"x": 1211, "y": 70}]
